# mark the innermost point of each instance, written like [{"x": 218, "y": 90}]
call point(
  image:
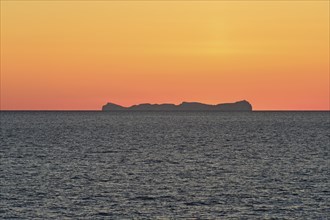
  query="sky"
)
[{"x": 79, "y": 55}]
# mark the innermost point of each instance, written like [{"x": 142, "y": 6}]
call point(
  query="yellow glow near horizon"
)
[{"x": 82, "y": 54}]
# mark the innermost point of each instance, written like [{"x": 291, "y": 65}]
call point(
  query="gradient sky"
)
[{"x": 74, "y": 55}]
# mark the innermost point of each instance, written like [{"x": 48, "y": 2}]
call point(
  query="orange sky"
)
[{"x": 74, "y": 55}]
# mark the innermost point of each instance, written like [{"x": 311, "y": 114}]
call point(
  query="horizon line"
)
[{"x": 100, "y": 110}]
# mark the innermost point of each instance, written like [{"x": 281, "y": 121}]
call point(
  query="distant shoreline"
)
[{"x": 184, "y": 106}]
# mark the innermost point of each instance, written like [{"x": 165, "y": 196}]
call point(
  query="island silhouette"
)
[{"x": 184, "y": 106}]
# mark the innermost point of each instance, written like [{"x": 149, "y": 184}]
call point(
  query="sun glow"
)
[{"x": 82, "y": 54}]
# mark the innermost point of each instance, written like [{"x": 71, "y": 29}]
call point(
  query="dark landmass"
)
[{"x": 184, "y": 106}]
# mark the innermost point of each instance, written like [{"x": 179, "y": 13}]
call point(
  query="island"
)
[{"x": 184, "y": 106}]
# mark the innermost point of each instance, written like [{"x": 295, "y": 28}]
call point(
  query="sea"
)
[{"x": 164, "y": 165}]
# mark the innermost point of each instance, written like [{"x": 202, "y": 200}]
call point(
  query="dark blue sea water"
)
[{"x": 149, "y": 165}]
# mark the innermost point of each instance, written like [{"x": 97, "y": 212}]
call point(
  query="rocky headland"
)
[{"x": 184, "y": 106}]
